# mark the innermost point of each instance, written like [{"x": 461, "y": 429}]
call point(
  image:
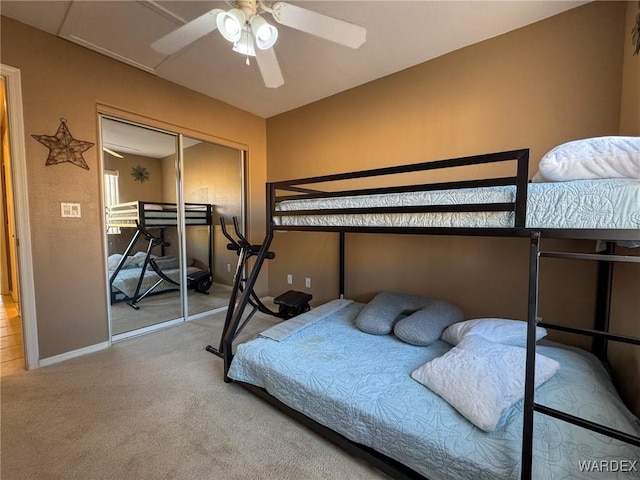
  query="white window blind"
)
[{"x": 111, "y": 194}]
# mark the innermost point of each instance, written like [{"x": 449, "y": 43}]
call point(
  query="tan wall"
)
[
  {"x": 539, "y": 86},
  {"x": 630, "y": 107},
  {"x": 60, "y": 79},
  {"x": 554, "y": 81},
  {"x": 625, "y": 309},
  {"x": 130, "y": 189}
]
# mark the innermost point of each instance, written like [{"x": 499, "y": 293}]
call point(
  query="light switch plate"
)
[{"x": 70, "y": 210}]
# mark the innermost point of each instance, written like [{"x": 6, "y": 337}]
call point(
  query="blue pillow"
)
[
  {"x": 425, "y": 326},
  {"x": 380, "y": 315}
]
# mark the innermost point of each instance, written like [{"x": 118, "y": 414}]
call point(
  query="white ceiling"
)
[
  {"x": 400, "y": 34},
  {"x": 124, "y": 137}
]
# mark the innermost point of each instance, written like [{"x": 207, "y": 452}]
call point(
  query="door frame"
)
[{"x": 21, "y": 206}]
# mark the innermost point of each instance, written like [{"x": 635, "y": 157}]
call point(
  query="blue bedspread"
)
[{"x": 360, "y": 386}]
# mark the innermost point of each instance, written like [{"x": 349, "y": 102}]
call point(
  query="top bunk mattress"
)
[
  {"x": 156, "y": 214},
  {"x": 580, "y": 204},
  {"x": 359, "y": 385}
]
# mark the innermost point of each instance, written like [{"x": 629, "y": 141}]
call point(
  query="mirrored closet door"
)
[
  {"x": 164, "y": 194},
  {"x": 212, "y": 174}
]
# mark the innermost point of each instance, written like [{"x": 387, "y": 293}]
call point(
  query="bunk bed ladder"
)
[{"x": 600, "y": 334}]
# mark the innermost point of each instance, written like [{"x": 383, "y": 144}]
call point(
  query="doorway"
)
[
  {"x": 11, "y": 335},
  {"x": 164, "y": 194},
  {"x": 20, "y": 204}
]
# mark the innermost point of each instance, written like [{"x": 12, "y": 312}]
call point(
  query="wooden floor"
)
[{"x": 11, "y": 348}]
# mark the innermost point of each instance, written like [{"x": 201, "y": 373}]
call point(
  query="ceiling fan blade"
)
[
  {"x": 187, "y": 33},
  {"x": 319, "y": 25},
  {"x": 111, "y": 152},
  {"x": 269, "y": 68}
]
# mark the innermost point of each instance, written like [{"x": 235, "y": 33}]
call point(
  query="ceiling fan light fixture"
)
[
  {"x": 242, "y": 26},
  {"x": 264, "y": 33},
  {"x": 244, "y": 45},
  {"x": 231, "y": 24}
]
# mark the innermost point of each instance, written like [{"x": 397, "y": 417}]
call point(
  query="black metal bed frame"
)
[
  {"x": 298, "y": 189},
  {"x": 137, "y": 216}
]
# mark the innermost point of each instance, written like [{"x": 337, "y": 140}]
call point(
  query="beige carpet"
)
[{"x": 155, "y": 407}]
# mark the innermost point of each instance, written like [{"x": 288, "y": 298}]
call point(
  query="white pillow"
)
[
  {"x": 482, "y": 379},
  {"x": 499, "y": 330},
  {"x": 591, "y": 158}
]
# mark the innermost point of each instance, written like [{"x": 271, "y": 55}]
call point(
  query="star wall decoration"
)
[
  {"x": 63, "y": 147},
  {"x": 140, "y": 174}
]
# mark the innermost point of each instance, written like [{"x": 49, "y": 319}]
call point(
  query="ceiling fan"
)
[{"x": 244, "y": 26}]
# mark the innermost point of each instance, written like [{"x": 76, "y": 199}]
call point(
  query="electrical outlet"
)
[
  {"x": 307, "y": 282},
  {"x": 289, "y": 278},
  {"x": 228, "y": 267}
]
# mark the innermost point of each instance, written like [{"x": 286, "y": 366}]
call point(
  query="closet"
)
[{"x": 164, "y": 194}]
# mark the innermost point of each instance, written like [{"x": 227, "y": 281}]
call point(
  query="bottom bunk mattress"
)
[
  {"x": 127, "y": 280},
  {"x": 359, "y": 385}
]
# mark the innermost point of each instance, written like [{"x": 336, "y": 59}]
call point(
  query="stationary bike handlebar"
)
[
  {"x": 244, "y": 249},
  {"x": 236, "y": 245}
]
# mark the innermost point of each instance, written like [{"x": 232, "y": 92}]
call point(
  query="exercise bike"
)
[{"x": 290, "y": 303}]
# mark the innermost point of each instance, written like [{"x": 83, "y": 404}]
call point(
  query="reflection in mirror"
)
[
  {"x": 146, "y": 265},
  {"x": 212, "y": 174},
  {"x": 142, "y": 239}
]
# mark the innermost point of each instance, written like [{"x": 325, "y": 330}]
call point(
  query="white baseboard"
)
[{"x": 73, "y": 354}]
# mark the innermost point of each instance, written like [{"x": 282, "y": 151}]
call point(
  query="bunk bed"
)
[
  {"x": 356, "y": 389},
  {"x": 133, "y": 277}
]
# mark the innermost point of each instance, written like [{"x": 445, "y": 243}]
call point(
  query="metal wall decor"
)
[
  {"x": 140, "y": 174},
  {"x": 63, "y": 147}
]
